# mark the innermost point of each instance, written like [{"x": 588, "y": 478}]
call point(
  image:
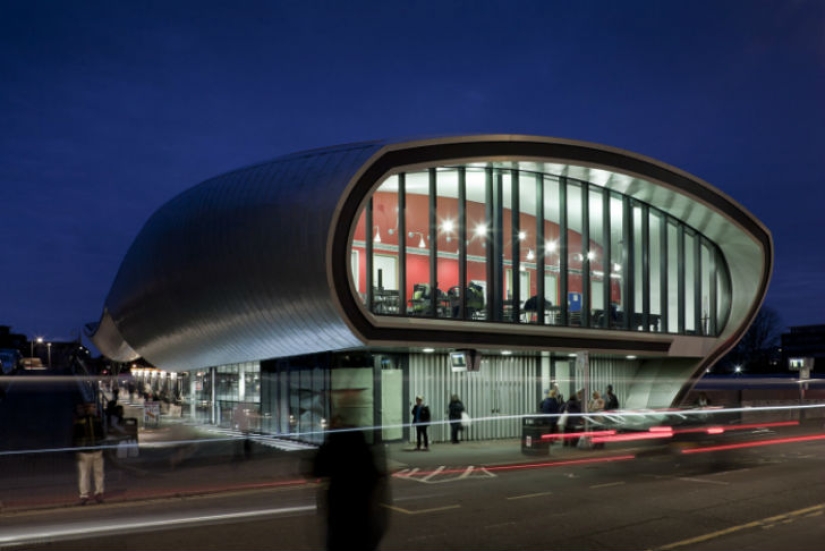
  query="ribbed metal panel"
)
[
  {"x": 495, "y": 397},
  {"x": 235, "y": 269}
]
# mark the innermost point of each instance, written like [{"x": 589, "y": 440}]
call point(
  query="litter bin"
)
[{"x": 532, "y": 430}]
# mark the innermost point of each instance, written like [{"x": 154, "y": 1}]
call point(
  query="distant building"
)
[
  {"x": 16, "y": 341},
  {"x": 343, "y": 280},
  {"x": 805, "y": 341}
]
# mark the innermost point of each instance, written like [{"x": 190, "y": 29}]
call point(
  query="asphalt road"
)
[{"x": 753, "y": 499}]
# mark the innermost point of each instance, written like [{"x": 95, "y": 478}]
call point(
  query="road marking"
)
[
  {"x": 607, "y": 485},
  {"x": 420, "y": 511},
  {"x": 444, "y": 474},
  {"x": 528, "y": 496},
  {"x": 703, "y": 481},
  {"x": 432, "y": 474},
  {"x": 764, "y": 523},
  {"x": 720, "y": 473}
]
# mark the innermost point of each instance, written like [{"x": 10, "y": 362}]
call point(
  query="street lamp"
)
[
  {"x": 31, "y": 343},
  {"x": 49, "y": 346}
]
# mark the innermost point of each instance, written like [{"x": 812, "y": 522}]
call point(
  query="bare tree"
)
[{"x": 758, "y": 346}]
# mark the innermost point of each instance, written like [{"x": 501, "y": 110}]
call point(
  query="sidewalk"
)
[
  {"x": 183, "y": 460},
  {"x": 180, "y": 460}
]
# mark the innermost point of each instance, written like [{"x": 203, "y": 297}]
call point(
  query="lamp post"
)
[
  {"x": 49, "y": 346},
  {"x": 31, "y": 344}
]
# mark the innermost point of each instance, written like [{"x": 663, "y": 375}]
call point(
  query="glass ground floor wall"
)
[
  {"x": 507, "y": 387},
  {"x": 297, "y": 398},
  {"x": 511, "y": 243}
]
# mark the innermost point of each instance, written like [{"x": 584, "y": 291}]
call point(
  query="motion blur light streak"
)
[
  {"x": 742, "y": 445},
  {"x": 570, "y": 435},
  {"x": 22, "y": 536},
  {"x": 630, "y": 437}
]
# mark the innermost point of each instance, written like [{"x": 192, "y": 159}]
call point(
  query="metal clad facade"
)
[
  {"x": 235, "y": 268},
  {"x": 495, "y": 397}
]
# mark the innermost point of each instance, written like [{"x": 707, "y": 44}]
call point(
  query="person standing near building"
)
[
  {"x": 421, "y": 420},
  {"x": 550, "y": 408},
  {"x": 610, "y": 399},
  {"x": 87, "y": 437},
  {"x": 455, "y": 410}
]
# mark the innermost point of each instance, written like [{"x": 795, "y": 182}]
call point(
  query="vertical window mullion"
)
[
  {"x": 462, "y": 241},
  {"x": 515, "y": 301},
  {"x": 645, "y": 268},
  {"x": 585, "y": 246},
  {"x": 497, "y": 233},
  {"x": 540, "y": 249},
  {"x": 697, "y": 285},
  {"x": 564, "y": 251},
  {"x": 607, "y": 262},
  {"x": 663, "y": 275},
  {"x": 492, "y": 291},
  {"x": 433, "y": 231},
  {"x": 680, "y": 255},
  {"x": 402, "y": 243},
  {"x": 368, "y": 252},
  {"x": 628, "y": 281},
  {"x": 713, "y": 290}
]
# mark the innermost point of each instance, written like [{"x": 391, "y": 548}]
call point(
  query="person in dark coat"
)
[
  {"x": 610, "y": 399},
  {"x": 455, "y": 409},
  {"x": 356, "y": 489},
  {"x": 421, "y": 420},
  {"x": 551, "y": 407},
  {"x": 575, "y": 422}
]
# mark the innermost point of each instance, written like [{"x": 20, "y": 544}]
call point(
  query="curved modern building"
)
[{"x": 350, "y": 279}]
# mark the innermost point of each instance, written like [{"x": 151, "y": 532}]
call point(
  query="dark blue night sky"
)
[{"x": 109, "y": 109}]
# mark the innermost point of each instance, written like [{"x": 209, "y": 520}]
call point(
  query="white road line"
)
[
  {"x": 528, "y": 496},
  {"x": 432, "y": 474},
  {"x": 703, "y": 481},
  {"x": 466, "y": 473},
  {"x": 607, "y": 485}
]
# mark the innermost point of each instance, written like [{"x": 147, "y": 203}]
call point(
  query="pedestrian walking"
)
[{"x": 356, "y": 489}]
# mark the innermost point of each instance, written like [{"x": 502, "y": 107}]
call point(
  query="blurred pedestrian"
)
[
  {"x": 550, "y": 408},
  {"x": 596, "y": 403},
  {"x": 356, "y": 489},
  {"x": 574, "y": 421},
  {"x": 610, "y": 399},
  {"x": 421, "y": 420},
  {"x": 88, "y": 436},
  {"x": 455, "y": 410}
]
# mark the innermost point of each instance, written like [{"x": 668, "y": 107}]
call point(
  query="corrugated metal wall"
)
[{"x": 495, "y": 397}]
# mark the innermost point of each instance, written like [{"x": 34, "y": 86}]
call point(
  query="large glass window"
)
[
  {"x": 655, "y": 265},
  {"x": 575, "y": 253},
  {"x": 485, "y": 241},
  {"x": 691, "y": 283}
]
